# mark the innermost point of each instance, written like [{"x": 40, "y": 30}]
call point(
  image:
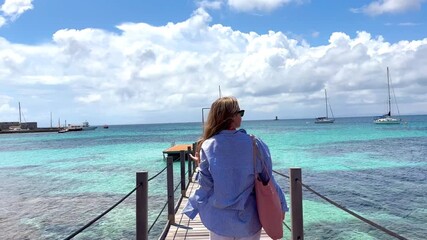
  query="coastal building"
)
[{"x": 14, "y": 125}]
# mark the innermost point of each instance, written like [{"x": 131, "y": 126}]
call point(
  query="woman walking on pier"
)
[{"x": 226, "y": 197}]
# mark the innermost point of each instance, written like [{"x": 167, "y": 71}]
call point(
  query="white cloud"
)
[
  {"x": 168, "y": 73},
  {"x": 315, "y": 34},
  {"x": 5, "y": 108},
  {"x": 91, "y": 98},
  {"x": 389, "y": 6},
  {"x": 2, "y": 21},
  {"x": 207, "y": 4},
  {"x": 14, "y": 8},
  {"x": 257, "y": 5},
  {"x": 409, "y": 24}
]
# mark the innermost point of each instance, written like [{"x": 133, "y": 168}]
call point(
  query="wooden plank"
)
[
  {"x": 177, "y": 148},
  {"x": 185, "y": 228}
]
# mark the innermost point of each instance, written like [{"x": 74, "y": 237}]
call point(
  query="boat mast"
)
[
  {"x": 326, "y": 101},
  {"x": 19, "y": 105},
  {"x": 389, "y": 98}
]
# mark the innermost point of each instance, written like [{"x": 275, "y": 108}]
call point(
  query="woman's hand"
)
[{"x": 195, "y": 158}]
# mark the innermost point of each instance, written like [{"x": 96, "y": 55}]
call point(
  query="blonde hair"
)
[{"x": 220, "y": 117}]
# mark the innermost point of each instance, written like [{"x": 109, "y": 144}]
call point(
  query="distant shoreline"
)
[{"x": 37, "y": 130}]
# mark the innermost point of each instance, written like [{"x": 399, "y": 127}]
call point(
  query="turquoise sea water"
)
[{"x": 53, "y": 184}]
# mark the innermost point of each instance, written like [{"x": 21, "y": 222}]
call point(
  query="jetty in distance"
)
[
  {"x": 27, "y": 127},
  {"x": 24, "y": 126},
  {"x": 31, "y": 127}
]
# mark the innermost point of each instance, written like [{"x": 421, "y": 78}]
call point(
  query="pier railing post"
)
[
  {"x": 194, "y": 153},
  {"x": 296, "y": 204},
  {"x": 189, "y": 162},
  {"x": 182, "y": 160},
  {"x": 171, "y": 200},
  {"x": 142, "y": 206}
]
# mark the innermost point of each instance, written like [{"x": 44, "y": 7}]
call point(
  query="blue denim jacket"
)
[{"x": 225, "y": 199}]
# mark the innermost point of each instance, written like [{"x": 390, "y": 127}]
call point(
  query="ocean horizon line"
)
[{"x": 254, "y": 120}]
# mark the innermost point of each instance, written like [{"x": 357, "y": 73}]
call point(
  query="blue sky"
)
[
  {"x": 119, "y": 62},
  {"x": 312, "y": 21}
]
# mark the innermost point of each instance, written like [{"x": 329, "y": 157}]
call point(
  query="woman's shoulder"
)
[
  {"x": 243, "y": 132},
  {"x": 208, "y": 142},
  {"x": 244, "y": 135},
  {"x": 229, "y": 135},
  {"x": 258, "y": 141}
]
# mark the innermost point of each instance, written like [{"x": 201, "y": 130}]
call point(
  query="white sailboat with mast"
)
[
  {"x": 387, "y": 118},
  {"x": 326, "y": 119},
  {"x": 20, "y": 125}
]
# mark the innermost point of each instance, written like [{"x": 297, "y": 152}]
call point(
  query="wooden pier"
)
[
  {"x": 185, "y": 228},
  {"x": 178, "y": 225},
  {"x": 176, "y": 150}
]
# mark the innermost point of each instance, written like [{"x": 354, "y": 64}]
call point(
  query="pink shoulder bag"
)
[{"x": 268, "y": 202}]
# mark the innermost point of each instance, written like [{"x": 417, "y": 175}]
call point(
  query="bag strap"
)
[{"x": 255, "y": 154}]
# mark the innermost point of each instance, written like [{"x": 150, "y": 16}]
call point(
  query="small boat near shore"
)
[
  {"x": 83, "y": 127},
  {"x": 74, "y": 128}
]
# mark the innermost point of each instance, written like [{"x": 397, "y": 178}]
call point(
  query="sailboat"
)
[
  {"x": 326, "y": 119},
  {"x": 22, "y": 126},
  {"x": 387, "y": 118}
]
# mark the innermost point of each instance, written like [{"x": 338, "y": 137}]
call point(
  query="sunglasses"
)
[{"x": 241, "y": 112}]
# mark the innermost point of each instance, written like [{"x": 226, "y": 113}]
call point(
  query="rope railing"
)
[
  {"x": 172, "y": 189},
  {"x": 151, "y": 178},
  {"x": 175, "y": 189},
  {"x": 298, "y": 180},
  {"x": 286, "y": 176},
  {"x": 158, "y": 216},
  {"x": 161, "y": 211},
  {"x": 389, "y": 232},
  {"x": 111, "y": 208},
  {"x": 102, "y": 214},
  {"x": 139, "y": 184},
  {"x": 286, "y": 225},
  {"x": 163, "y": 208},
  {"x": 281, "y": 174}
]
